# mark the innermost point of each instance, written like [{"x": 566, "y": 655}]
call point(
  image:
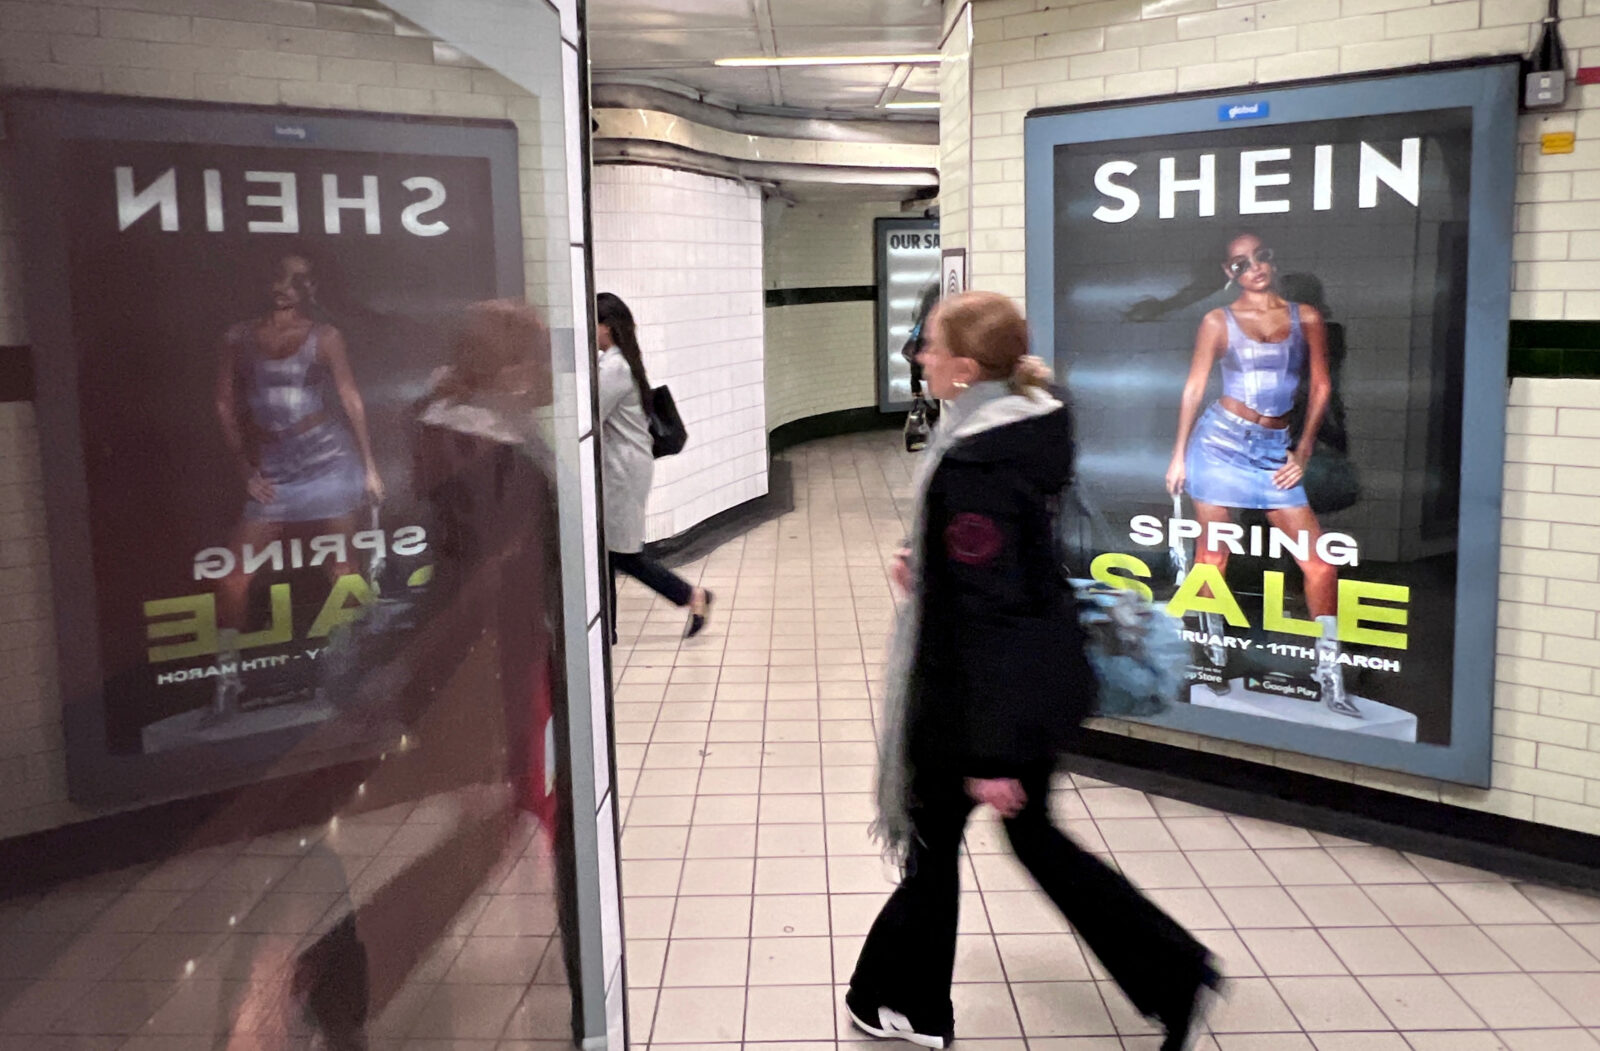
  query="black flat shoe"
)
[
  {"x": 697, "y": 621},
  {"x": 1180, "y": 1029}
]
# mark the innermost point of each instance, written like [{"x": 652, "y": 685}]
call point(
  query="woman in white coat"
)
[{"x": 629, "y": 465}]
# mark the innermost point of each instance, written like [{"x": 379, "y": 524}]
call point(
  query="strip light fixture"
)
[
  {"x": 911, "y": 105},
  {"x": 767, "y": 61}
]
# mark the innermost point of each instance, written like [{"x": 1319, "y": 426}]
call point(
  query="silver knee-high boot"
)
[{"x": 1329, "y": 674}]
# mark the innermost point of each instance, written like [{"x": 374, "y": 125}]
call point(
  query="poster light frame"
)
[{"x": 1489, "y": 88}]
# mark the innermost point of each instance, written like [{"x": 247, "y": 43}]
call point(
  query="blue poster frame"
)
[{"x": 1489, "y": 89}]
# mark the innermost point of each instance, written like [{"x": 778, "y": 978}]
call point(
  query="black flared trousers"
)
[{"x": 909, "y": 954}]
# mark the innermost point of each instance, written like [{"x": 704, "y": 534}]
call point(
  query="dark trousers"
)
[
  {"x": 909, "y": 954},
  {"x": 651, "y": 574}
]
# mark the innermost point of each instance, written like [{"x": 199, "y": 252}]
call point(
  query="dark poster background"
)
[
  {"x": 151, "y": 307},
  {"x": 1390, "y": 281}
]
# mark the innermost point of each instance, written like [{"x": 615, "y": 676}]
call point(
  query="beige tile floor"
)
[
  {"x": 745, "y": 761},
  {"x": 194, "y": 953}
]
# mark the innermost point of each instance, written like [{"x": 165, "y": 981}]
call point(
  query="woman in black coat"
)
[{"x": 987, "y": 682}]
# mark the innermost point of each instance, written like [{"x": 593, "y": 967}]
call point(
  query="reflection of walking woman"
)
[
  {"x": 307, "y": 467},
  {"x": 1239, "y": 454},
  {"x": 626, "y": 448}
]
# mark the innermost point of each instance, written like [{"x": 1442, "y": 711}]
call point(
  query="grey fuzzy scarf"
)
[{"x": 983, "y": 407}]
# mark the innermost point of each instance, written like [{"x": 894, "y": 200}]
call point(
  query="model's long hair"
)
[{"x": 614, "y": 314}]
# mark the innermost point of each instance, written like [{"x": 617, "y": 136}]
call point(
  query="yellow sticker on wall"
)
[{"x": 1558, "y": 142}]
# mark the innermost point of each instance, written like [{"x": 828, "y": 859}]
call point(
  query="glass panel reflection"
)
[{"x": 289, "y": 766}]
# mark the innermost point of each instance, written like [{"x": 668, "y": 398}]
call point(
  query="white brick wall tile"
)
[
  {"x": 1516, "y": 588},
  {"x": 1578, "y": 481},
  {"x": 1134, "y": 85},
  {"x": 1507, "y": 12},
  {"x": 1105, "y": 63},
  {"x": 1498, "y": 40},
  {"x": 1141, "y": 34},
  {"x": 1290, "y": 12},
  {"x": 1543, "y": 729},
  {"x": 998, "y": 9},
  {"x": 1358, "y": 29},
  {"x": 1512, "y": 643},
  {"x": 1577, "y": 761},
  {"x": 1076, "y": 42},
  {"x": 1040, "y": 71},
  {"x": 1366, "y": 7},
  {"x": 1432, "y": 20},
  {"x": 1545, "y": 186},
  {"x": 1572, "y": 707},
  {"x": 1560, "y": 274},
  {"x": 162, "y": 83},
  {"x": 356, "y": 71},
  {"x": 1001, "y": 53},
  {"x": 1177, "y": 55},
  {"x": 142, "y": 25},
  {"x": 1355, "y": 58},
  {"x": 1071, "y": 92},
  {"x": 1568, "y": 815},
  {"x": 1215, "y": 74},
  {"x": 1543, "y": 785},
  {"x": 1223, "y": 22},
  {"x": 1583, "y": 306},
  {"x": 1553, "y": 620},
  {"x": 1531, "y": 419},
  {"x": 1583, "y": 423},
  {"x": 220, "y": 87},
  {"x": 1555, "y": 245},
  {"x": 1277, "y": 41},
  {"x": 1513, "y": 752},
  {"x": 1555, "y": 392},
  {"x": 24, "y": 16},
  {"x": 1320, "y": 63}
]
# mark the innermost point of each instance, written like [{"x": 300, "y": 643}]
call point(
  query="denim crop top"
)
[
  {"x": 1264, "y": 376},
  {"x": 281, "y": 392}
]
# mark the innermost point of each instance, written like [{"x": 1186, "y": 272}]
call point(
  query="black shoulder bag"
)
[{"x": 668, "y": 435}]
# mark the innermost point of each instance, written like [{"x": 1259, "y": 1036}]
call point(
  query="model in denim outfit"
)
[
  {"x": 296, "y": 424},
  {"x": 1238, "y": 453}
]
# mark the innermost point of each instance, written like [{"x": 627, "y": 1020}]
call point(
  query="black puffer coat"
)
[{"x": 999, "y": 680}]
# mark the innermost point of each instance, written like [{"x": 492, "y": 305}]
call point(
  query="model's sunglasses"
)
[{"x": 1240, "y": 263}]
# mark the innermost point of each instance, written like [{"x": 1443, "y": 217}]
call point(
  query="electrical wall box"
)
[{"x": 1545, "y": 89}]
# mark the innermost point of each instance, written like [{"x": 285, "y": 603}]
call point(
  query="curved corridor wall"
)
[
  {"x": 684, "y": 251},
  {"x": 821, "y": 356}
]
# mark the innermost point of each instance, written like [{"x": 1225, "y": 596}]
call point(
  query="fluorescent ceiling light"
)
[
  {"x": 834, "y": 60},
  {"x": 911, "y": 105}
]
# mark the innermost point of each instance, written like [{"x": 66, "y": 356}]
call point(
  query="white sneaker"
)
[{"x": 892, "y": 1025}]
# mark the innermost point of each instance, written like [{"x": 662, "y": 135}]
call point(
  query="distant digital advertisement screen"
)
[
  {"x": 1282, "y": 317},
  {"x": 909, "y": 273}
]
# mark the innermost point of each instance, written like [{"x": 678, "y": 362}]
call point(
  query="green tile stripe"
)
[{"x": 1565, "y": 349}]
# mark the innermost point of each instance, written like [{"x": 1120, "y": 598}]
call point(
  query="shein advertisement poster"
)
[
  {"x": 236, "y": 312},
  {"x": 1283, "y": 319},
  {"x": 909, "y": 273}
]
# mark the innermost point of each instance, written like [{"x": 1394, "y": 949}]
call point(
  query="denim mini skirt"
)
[{"x": 1230, "y": 463}]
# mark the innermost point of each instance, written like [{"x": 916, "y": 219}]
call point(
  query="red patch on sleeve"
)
[{"x": 973, "y": 540}]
